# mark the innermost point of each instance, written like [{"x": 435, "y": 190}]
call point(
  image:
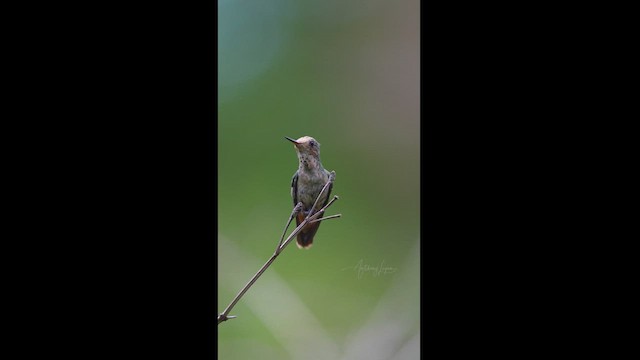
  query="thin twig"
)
[
  {"x": 332, "y": 177},
  {"x": 326, "y": 218},
  {"x": 224, "y": 316},
  {"x": 306, "y": 221},
  {"x": 296, "y": 210}
]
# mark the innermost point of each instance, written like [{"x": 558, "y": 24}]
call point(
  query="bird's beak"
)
[{"x": 292, "y": 140}]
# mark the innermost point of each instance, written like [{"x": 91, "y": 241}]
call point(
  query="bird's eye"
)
[{"x": 312, "y": 143}]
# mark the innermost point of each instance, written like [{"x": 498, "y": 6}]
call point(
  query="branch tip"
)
[{"x": 325, "y": 218}]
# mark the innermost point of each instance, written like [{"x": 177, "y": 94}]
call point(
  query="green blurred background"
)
[{"x": 347, "y": 74}]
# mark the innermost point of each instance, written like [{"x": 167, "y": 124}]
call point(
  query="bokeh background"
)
[{"x": 346, "y": 73}]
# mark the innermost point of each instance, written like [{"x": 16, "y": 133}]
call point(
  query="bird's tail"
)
[{"x": 304, "y": 240}]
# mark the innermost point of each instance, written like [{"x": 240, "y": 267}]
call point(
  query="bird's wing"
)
[
  {"x": 294, "y": 189},
  {"x": 326, "y": 200}
]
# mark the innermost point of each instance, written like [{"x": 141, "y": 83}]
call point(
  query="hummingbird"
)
[{"x": 306, "y": 185}]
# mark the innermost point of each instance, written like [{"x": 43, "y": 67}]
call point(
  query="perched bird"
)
[{"x": 306, "y": 185}]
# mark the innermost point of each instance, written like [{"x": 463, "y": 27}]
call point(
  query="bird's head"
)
[{"x": 306, "y": 145}]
